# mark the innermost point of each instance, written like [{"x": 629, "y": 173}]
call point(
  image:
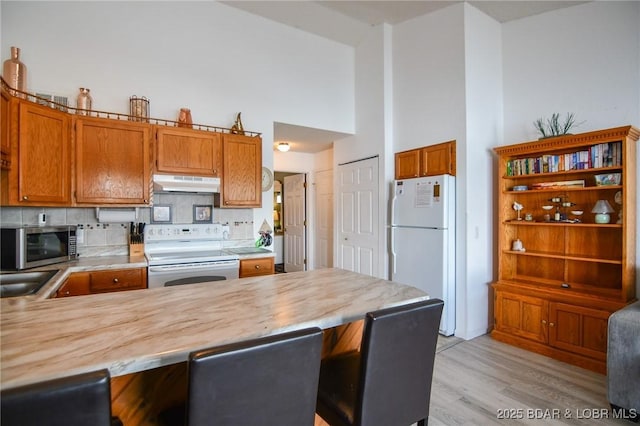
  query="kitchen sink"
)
[{"x": 23, "y": 283}]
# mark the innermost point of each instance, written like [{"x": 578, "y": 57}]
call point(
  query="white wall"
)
[
  {"x": 428, "y": 79},
  {"x": 583, "y": 59},
  {"x": 209, "y": 57},
  {"x": 476, "y": 171}
]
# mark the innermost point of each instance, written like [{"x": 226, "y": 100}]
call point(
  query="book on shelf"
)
[
  {"x": 578, "y": 183},
  {"x": 596, "y": 156}
]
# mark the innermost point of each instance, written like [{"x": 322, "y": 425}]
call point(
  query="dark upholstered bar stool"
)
[
  {"x": 267, "y": 381},
  {"x": 79, "y": 400},
  {"x": 388, "y": 382}
]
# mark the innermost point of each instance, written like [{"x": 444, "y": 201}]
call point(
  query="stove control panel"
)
[{"x": 188, "y": 231}]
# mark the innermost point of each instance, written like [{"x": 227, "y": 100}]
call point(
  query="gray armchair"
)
[{"x": 623, "y": 360}]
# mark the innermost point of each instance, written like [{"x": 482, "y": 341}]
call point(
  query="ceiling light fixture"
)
[{"x": 283, "y": 147}]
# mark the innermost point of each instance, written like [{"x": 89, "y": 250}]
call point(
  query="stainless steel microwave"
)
[{"x": 26, "y": 247}]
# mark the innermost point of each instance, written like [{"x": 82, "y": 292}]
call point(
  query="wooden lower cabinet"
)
[
  {"x": 571, "y": 333},
  {"x": 578, "y": 329},
  {"x": 82, "y": 283},
  {"x": 257, "y": 267},
  {"x": 521, "y": 316},
  {"x": 76, "y": 285}
]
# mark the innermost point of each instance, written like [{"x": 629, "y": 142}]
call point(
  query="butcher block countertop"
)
[{"x": 137, "y": 330}]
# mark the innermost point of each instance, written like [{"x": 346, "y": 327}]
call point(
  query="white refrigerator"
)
[{"x": 422, "y": 248}]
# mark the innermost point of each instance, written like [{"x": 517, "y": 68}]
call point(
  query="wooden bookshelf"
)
[{"x": 556, "y": 295}]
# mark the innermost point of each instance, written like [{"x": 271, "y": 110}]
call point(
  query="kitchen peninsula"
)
[{"x": 138, "y": 330}]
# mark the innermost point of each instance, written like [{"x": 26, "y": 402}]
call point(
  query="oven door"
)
[{"x": 192, "y": 273}]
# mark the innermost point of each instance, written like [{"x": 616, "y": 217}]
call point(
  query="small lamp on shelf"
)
[{"x": 602, "y": 210}]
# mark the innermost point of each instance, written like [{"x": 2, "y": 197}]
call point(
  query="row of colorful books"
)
[{"x": 597, "y": 156}]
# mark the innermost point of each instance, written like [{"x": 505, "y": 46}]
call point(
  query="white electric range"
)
[{"x": 188, "y": 254}]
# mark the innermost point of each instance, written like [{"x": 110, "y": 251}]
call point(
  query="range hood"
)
[{"x": 175, "y": 183}]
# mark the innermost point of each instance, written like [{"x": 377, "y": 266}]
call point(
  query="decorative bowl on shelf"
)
[
  {"x": 547, "y": 207},
  {"x": 520, "y": 188},
  {"x": 577, "y": 212},
  {"x": 608, "y": 179}
]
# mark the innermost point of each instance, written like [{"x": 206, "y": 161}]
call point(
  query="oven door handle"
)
[{"x": 195, "y": 266}]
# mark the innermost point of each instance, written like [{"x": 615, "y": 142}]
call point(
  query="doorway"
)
[
  {"x": 303, "y": 220},
  {"x": 289, "y": 218}
]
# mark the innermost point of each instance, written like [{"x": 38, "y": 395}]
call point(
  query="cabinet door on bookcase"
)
[
  {"x": 522, "y": 316},
  {"x": 578, "y": 329}
]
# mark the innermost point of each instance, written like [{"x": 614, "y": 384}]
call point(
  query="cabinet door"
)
[
  {"x": 112, "y": 162},
  {"x": 241, "y": 179},
  {"x": 578, "y": 329},
  {"x": 6, "y": 103},
  {"x": 437, "y": 160},
  {"x": 118, "y": 280},
  {"x": 255, "y": 267},
  {"x": 76, "y": 285},
  {"x": 187, "y": 151},
  {"x": 522, "y": 316},
  {"x": 407, "y": 164},
  {"x": 43, "y": 173}
]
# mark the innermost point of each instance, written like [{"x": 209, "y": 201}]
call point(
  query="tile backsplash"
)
[{"x": 101, "y": 239}]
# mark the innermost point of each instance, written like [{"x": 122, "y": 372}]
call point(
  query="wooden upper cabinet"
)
[
  {"x": 242, "y": 164},
  {"x": 40, "y": 174},
  {"x": 188, "y": 152},
  {"x": 408, "y": 164},
  {"x": 7, "y": 104},
  {"x": 439, "y": 159},
  {"x": 113, "y": 162}
]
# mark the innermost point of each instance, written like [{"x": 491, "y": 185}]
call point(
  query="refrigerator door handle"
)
[
  {"x": 393, "y": 209},
  {"x": 393, "y": 252}
]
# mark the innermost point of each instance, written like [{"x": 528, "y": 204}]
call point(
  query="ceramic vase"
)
[
  {"x": 14, "y": 72},
  {"x": 83, "y": 102},
  {"x": 184, "y": 118}
]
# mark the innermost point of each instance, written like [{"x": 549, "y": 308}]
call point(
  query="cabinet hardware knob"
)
[
  {"x": 115, "y": 280},
  {"x": 24, "y": 197},
  {"x": 257, "y": 266},
  {"x": 544, "y": 321},
  {"x": 551, "y": 324}
]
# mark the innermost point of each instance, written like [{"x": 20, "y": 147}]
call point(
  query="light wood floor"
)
[{"x": 475, "y": 379}]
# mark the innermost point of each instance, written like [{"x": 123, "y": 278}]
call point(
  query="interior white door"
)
[
  {"x": 323, "y": 228},
  {"x": 358, "y": 216},
  {"x": 294, "y": 223}
]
